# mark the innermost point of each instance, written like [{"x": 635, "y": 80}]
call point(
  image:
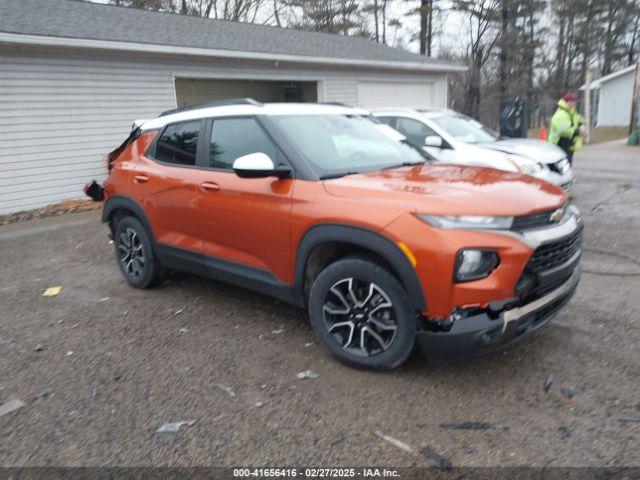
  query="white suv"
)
[{"x": 451, "y": 137}]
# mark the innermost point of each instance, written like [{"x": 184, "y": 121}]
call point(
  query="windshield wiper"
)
[
  {"x": 403, "y": 164},
  {"x": 329, "y": 176}
]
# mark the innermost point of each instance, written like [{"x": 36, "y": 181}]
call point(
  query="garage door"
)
[
  {"x": 394, "y": 94},
  {"x": 193, "y": 91}
]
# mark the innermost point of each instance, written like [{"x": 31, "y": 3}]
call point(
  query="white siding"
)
[
  {"x": 614, "y": 103},
  {"x": 59, "y": 115},
  {"x": 395, "y": 94},
  {"x": 343, "y": 90},
  {"x": 61, "y": 111}
]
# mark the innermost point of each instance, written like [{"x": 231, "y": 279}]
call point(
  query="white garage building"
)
[
  {"x": 612, "y": 96},
  {"x": 74, "y": 75}
]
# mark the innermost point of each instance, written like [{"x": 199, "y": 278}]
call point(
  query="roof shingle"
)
[{"x": 82, "y": 20}]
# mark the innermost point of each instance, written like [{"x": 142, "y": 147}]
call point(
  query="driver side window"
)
[
  {"x": 232, "y": 138},
  {"x": 414, "y": 130}
]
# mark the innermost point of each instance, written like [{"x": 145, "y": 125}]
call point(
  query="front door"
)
[{"x": 243, "y": 221}]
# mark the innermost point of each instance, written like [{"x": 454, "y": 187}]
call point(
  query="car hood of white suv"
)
[{"x": 536, "y": 150}]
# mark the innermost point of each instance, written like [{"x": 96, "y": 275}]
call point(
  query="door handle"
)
[
  {"x": 210, "y": 186},
  {"x": 140, "y": 178}
]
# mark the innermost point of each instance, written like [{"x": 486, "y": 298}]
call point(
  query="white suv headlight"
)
[
  {"x": 468, "y": 222},
  {"x": 526, "y": 166}
]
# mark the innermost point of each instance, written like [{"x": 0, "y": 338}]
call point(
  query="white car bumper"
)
[
  {"x": 564, "y": 180},
  {"x": 558, "y": 173}
]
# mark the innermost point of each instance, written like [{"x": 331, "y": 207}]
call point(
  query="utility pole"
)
[
  {"x": 587, "y": 103},
  {"x": 635, "y": 113}
]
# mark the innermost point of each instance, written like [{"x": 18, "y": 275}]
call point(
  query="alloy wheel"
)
[
  {"x": 360, "y": 317},
  {"x": 131, "y": 253}
]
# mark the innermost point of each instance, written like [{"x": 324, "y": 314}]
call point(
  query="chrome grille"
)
[{"x": 560, "y": 167}]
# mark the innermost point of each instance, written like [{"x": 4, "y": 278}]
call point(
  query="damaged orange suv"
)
[{"x": 321, "y": 207}]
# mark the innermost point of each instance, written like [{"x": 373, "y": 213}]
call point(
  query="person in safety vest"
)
[{"x": 567, "y": 127}]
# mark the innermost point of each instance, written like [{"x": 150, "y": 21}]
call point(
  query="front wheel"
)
[{"x": 360, "y": 313}]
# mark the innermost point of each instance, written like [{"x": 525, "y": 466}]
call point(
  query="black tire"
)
[
  {"x": 328, "y": 312},
  {"x": 141, "y": 269}
]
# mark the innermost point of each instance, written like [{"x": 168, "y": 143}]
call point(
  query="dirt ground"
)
[{"x": 101, "y": 366}]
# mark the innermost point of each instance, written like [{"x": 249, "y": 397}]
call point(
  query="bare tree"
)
[
  {"x": 633, "y": 44},
  {"x": 482, "y": 36},
  {"x": 426, "y": 26},
  {"x": 618, "y": 19}
]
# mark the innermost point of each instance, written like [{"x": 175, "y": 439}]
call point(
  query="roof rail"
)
[{"x": 217, "y": 103}]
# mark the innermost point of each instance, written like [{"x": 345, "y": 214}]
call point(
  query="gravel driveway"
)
[{"x": 101, "y": 367}]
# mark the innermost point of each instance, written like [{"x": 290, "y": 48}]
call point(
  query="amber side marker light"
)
[{"x": 408, "y": 253}]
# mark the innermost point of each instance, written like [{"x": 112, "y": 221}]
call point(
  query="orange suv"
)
[{"x": 321, "y": 207}]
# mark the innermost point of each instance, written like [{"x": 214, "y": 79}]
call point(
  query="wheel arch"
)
[
  {"x": 360, "y": 240},
  {"x": 120, "y": 204}
]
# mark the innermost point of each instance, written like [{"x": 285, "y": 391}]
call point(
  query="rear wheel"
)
[
  {"x": 360, "y": 313},
  {"x": 135, "y": 255}
]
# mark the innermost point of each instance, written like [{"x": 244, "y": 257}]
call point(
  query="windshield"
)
[
  {"x": 337, "y": 145},
  {"x": 465, "y": 129}
]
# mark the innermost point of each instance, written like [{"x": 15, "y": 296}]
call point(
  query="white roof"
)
[
  {"x": 413, "y": 112},
  {"x": 249, "y": 109},
  {"x": 597, "y": 83}
]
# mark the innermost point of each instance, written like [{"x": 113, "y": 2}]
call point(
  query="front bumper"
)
[{"x": 487, "y": 332}]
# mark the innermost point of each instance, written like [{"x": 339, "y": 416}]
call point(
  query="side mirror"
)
[
  {"x": 433, "y": 141},
  {"x": 258, "y": 165}
]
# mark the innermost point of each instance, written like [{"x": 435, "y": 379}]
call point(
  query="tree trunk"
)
[
  {"x": 635, "y": 38},
  {"x": 384, "y": 22},
  {"x": 423, "y": 26},
  {"x": 504, "y": 25},
  {"x": 608, "y": 41},
  {"x": 560, "y": 51},
  {"x": 430, "y": 28},
  {"x": 375, "y": 18}
]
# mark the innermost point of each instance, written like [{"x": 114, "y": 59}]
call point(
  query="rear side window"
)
[
  {"x": 179, "y": 143},
  {"x": 234, "y": 137}
]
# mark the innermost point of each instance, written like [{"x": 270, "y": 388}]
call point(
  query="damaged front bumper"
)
[{"x": 487, "y": 332}]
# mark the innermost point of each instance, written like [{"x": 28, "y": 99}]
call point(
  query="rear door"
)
[
  {"x": 245, "y": 221},
  {"x": 166, "y": 184}
]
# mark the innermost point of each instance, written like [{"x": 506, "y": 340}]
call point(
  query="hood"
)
[
  {"x": 450, "y": 190},
  {"x": 536, "y": 150}
]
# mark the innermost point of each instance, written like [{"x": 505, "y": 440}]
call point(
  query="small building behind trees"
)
[{"x": 612, "y": 99}]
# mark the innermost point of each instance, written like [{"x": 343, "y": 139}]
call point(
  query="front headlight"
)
[
  {"x": 526, "y": 166},
  {"x": 467, "y": 222},
  {"x": 532, "y": 169}
]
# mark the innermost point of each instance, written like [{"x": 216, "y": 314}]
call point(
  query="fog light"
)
[{"x": 474, "y": 264}]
